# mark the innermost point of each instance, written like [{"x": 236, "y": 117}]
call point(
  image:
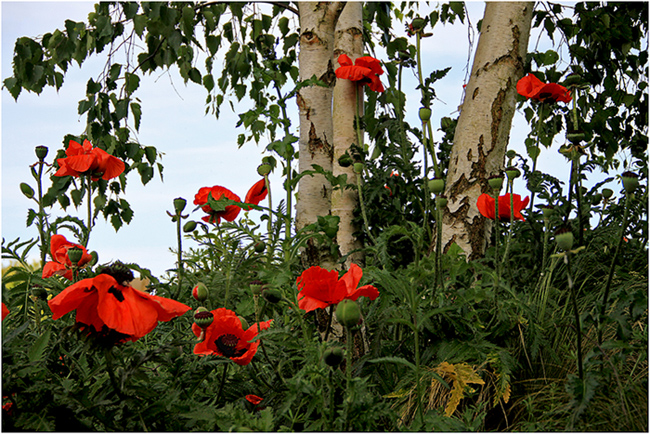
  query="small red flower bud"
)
[{"x": 200, "y": 292}]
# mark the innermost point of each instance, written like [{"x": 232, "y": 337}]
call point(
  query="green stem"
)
[
  {"x": 416, "y": 338},
  {"x": 363, "y": 209},
  {"x": 329, "y": 322},
  {"x": 348, "y": 376},
  {"x": 222, "y": 382},
  {"x": 496, "y": 238},
  {"x": 576, "y": 314},
  {"x": 269, "y": 225},
  {"x": 90, "y": 211},
  {"x": 41, "y": 212},
  {"x": 180, "y": 255},
  {"x": 512, "y": 220},
  {"x": 537, "y": 140},
  {"x": 287, "y": 157}
]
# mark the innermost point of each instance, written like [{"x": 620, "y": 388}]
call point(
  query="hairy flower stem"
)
[
  {"x": 576, "y": 314},
  {"x": 363, "y": 209},
  {"x": 348, "y": 376},
  {"x": 90, "y": 211},
  {"x": 329, "y": 322},
  {"x": 180, "y": 255},
  {"x": 496, "y": 238},
  {"x": 612, "y": 267},
  {"x": 269, "y": 224},
  {"x": 536, "y": 151},
  {"x": 288, "y": 160},
  {"x": 222, "y": 382},
  {"x": 332, "y": 404},
  {"x": 512, "y": 220},
  {"x": 41, "y": 211}
]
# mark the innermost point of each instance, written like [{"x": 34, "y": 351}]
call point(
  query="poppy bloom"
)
[
  {"x": 390, "y": 192},
  {"x": 61, "y": 264},
  {"x": 225, "y": 337},
  {"x": 229, "y": 213},
  {"x": 253, "y": 399},
  {"x": 365, "y": 70},
  {"x": 486, "y": 205},
  {"x": 320, "y": 288},
  {"x": 108, "y": 306},
  {"x": 86, "y": 160},
  {"x": 532, "y": 87},
  {"x": 5, "y": 311},
  {"x": 257, "y": 193}
]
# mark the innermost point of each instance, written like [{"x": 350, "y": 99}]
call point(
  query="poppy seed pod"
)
[
  {"x": 495, "y": 182},
  {"x": 548, "y": 210},
  {"x": 348, "y": 313},
  {"x": 189, "y": 226},
  {"x": 345, "y": 160},
  {"x": 418, "y": 24},
  {"x": 41, "y": 152},
  {"x": 271, "y": 295},
  {"x": 333, "y": 356},
  {"x": 203, "y": 317},
  {"x": 607, "y": 193},
  {"x": 179, "y": 205},
  {"x": 425, "y": 114},
  {"x": 27, "y": 190},
  {"x": 256, "y": 287},
  {"x": 572, "y": 80},
  {"x": 564, "y": 238},
  {"x": 437, "y": 185},
  {"x": 575, "y": 136},
  {"x": 200, "y": 292},
  {"x": 264, "y": 169},
  {"x": 512, "y": 173},
  {"x": 441, "y": 201},
  {"x": 630, "y": 181},
  {"x": 358, "y": 168},
  {"x": 75, "y": 254}
]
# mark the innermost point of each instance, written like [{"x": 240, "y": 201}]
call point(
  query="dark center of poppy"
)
[
  {"x": 227, "y": 345},
  {"x": 116, "y": 293}
]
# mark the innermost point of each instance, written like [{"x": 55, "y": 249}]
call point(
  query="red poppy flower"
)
[
  {"x": 320, "y": 288},
  {"x": 256, "y": 194},
  {"x": 5, "y": 311},
  {"x": 486, "y": 205},
  {"x": 365, "y": 70},
  {"x": 231, "y": 211},
  {"x": 253, "y": 399},
  {"x": 61, "y": 264},
  {"x": 105, "y": 305},
  {"x": 390, "y": 192},
  {"x": 225, "y": 337},
  {"x": 86, "y": 160},
  {"x": 532, "y": 87}
]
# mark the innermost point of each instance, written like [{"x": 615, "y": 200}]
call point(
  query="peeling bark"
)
[{"x": 483, "y": 129}]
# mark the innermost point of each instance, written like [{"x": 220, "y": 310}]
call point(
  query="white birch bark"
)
[
  {"x": 483, "y": 129},
  {"x": 348, "y": 40},
  {"x": 317, "y": 23}
]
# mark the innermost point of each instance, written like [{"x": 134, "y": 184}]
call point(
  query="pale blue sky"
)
[{"x": 199, "y": 150}]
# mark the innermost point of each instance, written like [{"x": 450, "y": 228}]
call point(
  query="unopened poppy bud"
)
[
  {"x": 256, "y": 287},
  {"x": 39, "y": 292},
  {"x": 630, "y": 181},
  {"x": 358, "y": 168},
  {"x": 607, "y": 193},
  {"x": 442, "y": 201},
  {"x": 189, "y": 226},
  {"x": 244, "y": 323},
  {"x": 260, "y": 246},
  {"x": 264, "y": 169},
  {"x": 200, "y": 292},
  {"x": 345, "y": 160},
  {"x": 436, "y": 185},
  {"x": 572, "y": 80},
  {"x": 418, "y": 24},
  {"x": 27, "y": 190},
  {"x": 75, "y": 254},
  {"x": 271, "y": 295},
  {"x": 564, "y": 238},
  {"x": 203, "y": 317},
  {"x": 95, "y": 259},
  {"x": 425, "y": 114},
  {"x": 348, "y": 313},
  {"x": 512, "y": 173},
  {"x": 41, "y": 152},
  {"x": 333, "y": 356},
  {"x": 179, "y": 204},
  {"x": 495, "y": 182}
]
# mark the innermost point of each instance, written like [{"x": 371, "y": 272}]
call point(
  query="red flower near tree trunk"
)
[
  {"x": 486, "y": 205},
  {"x": 230, "y": 212},
  {"x": 5, "y": 311},
  {"x": 86, "y": 160},
  {"x": 61, "y": 264},
  {"x": 256, "y": 194},
  {"x": 225, "y": 337},
  {"x": 532, "y": 87},
  {"x": 320, "y": 288},
  {"x": 365, "y": 70},
  {"x": 253, "y": 399},
  {"x": 108, "y": 306}
]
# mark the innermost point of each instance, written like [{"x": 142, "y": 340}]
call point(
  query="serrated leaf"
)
[
  {"x": 39, "y": 346},
  {"x": 397, "y": 360}
]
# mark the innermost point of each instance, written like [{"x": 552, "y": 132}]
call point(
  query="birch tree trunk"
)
[
  {"x": 483, "y": 129},
  {"x": 348, "y": 40},
  {"x": 317, "y": 23}
]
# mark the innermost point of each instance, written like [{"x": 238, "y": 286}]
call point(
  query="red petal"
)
[
  {"x": 486, "y": 205},
  {"x": 72, "y": 297},
  {"x": 529, "y": 86},
  {"x": 5, "y": 311}
]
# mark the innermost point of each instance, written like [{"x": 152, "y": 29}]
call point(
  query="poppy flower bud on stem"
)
[
  {"x": 358, "y": 168},
  {"x": 203, "y": 318},
  {"x": 179, "y": 205},
  {"x": 437, "y": 185},
  {"x": 607, "y": 193},
  {"x": 548, "y": 210},
  {"x": 630, "y": 181},
  {"x": 27, "y": 190},
  {"x": 348, "y": 313},
  {"x": 564, "y": 238},
  {"x": 41, "y": 152},
  {"x": 75, "y": 254},
  {"x": 345, "y": 160},
  {"x": 264, "y": 169},
  {"x": 189, "y": 226},
  {"x": 271, "y": 295},
  {"x": 259, "y": 247},
  {"x": 333, "y": 356},
  {"x": 418, "y": 24},
  {"x": 200, "y": 292},
  {"x": 442, "y": 201},
  {"x": 425, "y": 114}
]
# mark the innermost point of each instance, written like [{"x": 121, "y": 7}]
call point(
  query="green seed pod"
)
[
  {"x": 348, "y": 313},
  {"x": 436, "y": 185},
  {"x": 41, "y": 152},
  {"x": 576, "y": 137},
  {"x": 27, "y": 190},
  {"x": 564, "y": 238},
  {"x": 259, "y": 247},
  {"x": 203, "y": 317},
  {"x": 345, "y": 160},
  {"x": 200, "y": 292},
  {"x": 548, "y": 210},
  {"x": 179, "y": 204},
  {"x": 495, "y": 182},
  {"x": 607, "y": 193},
  {"x": 333, "y": 356},
  {"x": 425, "y": 114},
  {"x": 189, "y": 226},
  {"x": 418, "y": 24},
  {"x": 75, "y": 254},
  {"x": 256, "y": 287},
  {"x": 271, "y": 295},
  {"x": 264, "y": 169},
  {"x": 358, "y": 168},
  {"x": 630, "y": 181},
  {"x": 512, "y": 173},
  {"x": 441, "y": 201},
  {"x": 572, "y": 80}
]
